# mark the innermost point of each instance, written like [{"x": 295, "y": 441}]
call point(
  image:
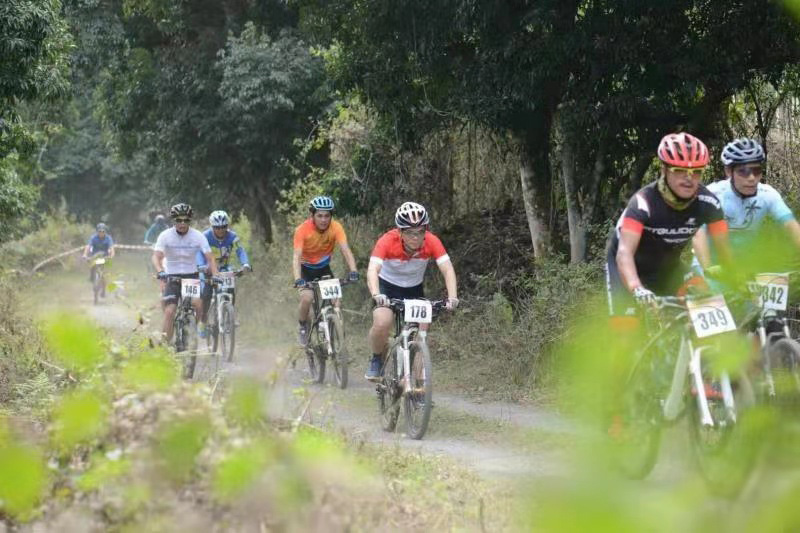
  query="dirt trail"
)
[{"x": 493, "y": 439}]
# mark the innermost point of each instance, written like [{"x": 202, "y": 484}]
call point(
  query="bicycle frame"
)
[
  {"x": 688, "y": 364},
  {"x": 322, "y": 310},
  {"x": 407, "y": 331}
]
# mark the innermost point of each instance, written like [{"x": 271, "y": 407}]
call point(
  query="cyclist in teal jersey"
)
[{"x": 747, "y": 203}]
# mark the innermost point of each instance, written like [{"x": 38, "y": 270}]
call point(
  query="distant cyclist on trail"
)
[
  {"x": 99, "y": 243},
  {"x": 152, "y": 233},
  {"x": 746, "y": 203},
  {"x": 644, "y": 251},
  {"x": 314, "y": 242},
  {"x": 175, "y": 255},
  {"x": 397, "y": 269},
  {"x": 224, "y": 243}
]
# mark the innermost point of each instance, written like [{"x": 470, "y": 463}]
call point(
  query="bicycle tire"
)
[
  {"x": 634, "y": 445},
  {"x": 227, "y": 330},
  {"x": 338, "y": 351},
  {"x": 96, "y": 285},
  {"x": 316, "y": 364},
  {"x": 783, "y": 356},
  {"x": 418, "y": 402},
  {"x": 190, "y": 343},
  {"x": 723, "y": 460},
  {"x": 389, "y": 390},
  {"x": 212, "y": 328}
]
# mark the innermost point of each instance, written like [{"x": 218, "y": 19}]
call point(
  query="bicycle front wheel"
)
[
  {"x": 212, "y": 328},
  {"x": 227, "y": 330},
  {"x": 314, "y": 356},
  {"x": 784, "y": 362},
  {"x": 189, "y": 335},
  {"x": 389, "y": 391},
  {"x": 338, "y": 350},
  {"x": 418, "y": 401}
]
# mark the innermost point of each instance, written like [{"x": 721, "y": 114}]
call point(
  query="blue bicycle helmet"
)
[{"x": 321, "y": 203}]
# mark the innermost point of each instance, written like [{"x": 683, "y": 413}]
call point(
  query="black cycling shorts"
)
[
  {"x": 401, "y": 293},
  {"x": 314, "y": 274},
  {"x": 172, "y": 289}
]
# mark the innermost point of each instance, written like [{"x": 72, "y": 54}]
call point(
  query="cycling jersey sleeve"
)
[
  {"x": 200, "y": 259},
  {"x": 241, "y": 254},
  {"x": 299, "y": 238},
  {"x": 110, "y": 241},
  {"x": 160, "y": 242},
  {"x": 436, "y": 248},
  {"x": 712, "y": 214},
  {"x": 379, "y": 250},
  {"x": 636, "y": 214},
  {"x": 339, "y": 236},
  {"x": 778, "y": 208}
]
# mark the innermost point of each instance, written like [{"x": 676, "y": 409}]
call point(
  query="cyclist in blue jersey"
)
[
  {"x": 152, "y": 233},
  {"x": 746, "y": 203},
  {"x": 99, "y": 243},
  {"x": 224, "y": 243}
]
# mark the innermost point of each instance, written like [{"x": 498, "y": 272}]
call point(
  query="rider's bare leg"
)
[
  {"x": 306, "y": 297},
  {"x": 169, "y": 317},
  {"x": 382, "y": 319}
]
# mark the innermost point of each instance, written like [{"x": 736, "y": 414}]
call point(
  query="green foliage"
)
[
  {"x": 75, "y": 343},
  {"x": 150, "y": 371},
  {"x": 58, "y": 232},
  {"x": 103, "y": 471},
  {"x": 238, "y": 470},
  {"x": 78, "y": 418},
  {"x": 24, "y": 478},
  {"x": 245, "y": 404},
  {"x": 179, "y": 444}
]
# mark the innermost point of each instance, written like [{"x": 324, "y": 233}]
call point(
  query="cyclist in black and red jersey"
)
[{"x": 644, "y": 251}]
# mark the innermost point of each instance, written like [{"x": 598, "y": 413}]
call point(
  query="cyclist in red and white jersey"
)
[{"x": 397, "y": 270}]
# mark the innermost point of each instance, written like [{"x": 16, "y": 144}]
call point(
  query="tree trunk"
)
[
  {"x": 535, "y": 195},
  {"x": 577, "y": 228},
  {"x": 260, "y": 209}
]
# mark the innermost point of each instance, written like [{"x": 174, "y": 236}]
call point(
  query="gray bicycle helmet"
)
[
  {"x": 741, "y": 151},
  {"x": 321, "y": 203},
  {"x": 101, "y": 227},
  {"x": 181, "y": 210}
]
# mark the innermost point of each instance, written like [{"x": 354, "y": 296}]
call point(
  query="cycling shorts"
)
[
  {"x": 172, "y": 288},
  {"x": 401, "y": 293},
  {"x": 313, "y": 274}
]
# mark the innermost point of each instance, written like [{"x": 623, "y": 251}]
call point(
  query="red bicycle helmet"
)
[{"x": 683, "y": 150}]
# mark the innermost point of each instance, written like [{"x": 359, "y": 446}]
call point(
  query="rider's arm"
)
[
  {"x": 241, "y": 254},
  {"x": 111, "y": 249},
  {"x": 158, "y": 258},
  {"x": 700, "y": 247},
  {"x": 298, "y": 253},
  {"x": 348, "y": 256},
  {"x": 212, "y": 263},
  {"x": 793, "y": 228},
  {"x": 719, "y": 237},
  {"x": 86, "y": 250},
  {"x": 628, "y": 243},
  {"x": 449, "y": 273},
  {"x": 372, "y": 277},
  {"x": 200, "y": 259}
]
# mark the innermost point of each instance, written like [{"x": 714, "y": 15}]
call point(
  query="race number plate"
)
[
  {"x": 773, "y": 291},
  {"x": 190, "y": 288},
  {"x": 419, "y": 311},
  {"x": 330, "y": 289},
  {"x": 710, "y": 316},
  {"x": 100, "y": 261},
  {"x": 228, "y": 280}
]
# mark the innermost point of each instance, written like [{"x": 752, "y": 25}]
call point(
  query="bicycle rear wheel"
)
[
  {"x": 227, "y": 330},
  {"x": 338, "y": 351},
  {"x": 389, "y": 391},
  {"x": 419, "y": 400}
]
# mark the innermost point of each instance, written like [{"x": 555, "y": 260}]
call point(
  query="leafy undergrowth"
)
[{"x": 122, "y": 443}]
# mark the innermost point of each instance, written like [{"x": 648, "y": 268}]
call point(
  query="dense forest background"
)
[{"x": 544, "y": 112}]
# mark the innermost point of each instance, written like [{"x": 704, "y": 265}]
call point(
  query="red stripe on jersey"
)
[
  {"x": 720, "y": 227},
  {"x": 632, "y": 225}
]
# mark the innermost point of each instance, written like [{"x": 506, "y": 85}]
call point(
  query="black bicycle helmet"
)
[{"x": 181, "y": 210}]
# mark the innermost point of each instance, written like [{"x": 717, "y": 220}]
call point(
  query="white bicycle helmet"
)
[
  {"x": 219, "y": 218},
  {"x": 741, "y": 151},
  {"x": 411, "y": 215},
  {"x": 321, "y": 203}
]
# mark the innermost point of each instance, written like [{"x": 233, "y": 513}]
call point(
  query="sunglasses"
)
[
  {"x": 691, "y": 172},
  {"x": 746, "y": 171},
  {"x": 414, "y": 233},
  {"x": 220, "y": 227},
  {"x": 182, "y": 220}
]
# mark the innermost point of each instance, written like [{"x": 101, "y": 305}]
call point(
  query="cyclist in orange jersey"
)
[{"x": 314, "y": 242}]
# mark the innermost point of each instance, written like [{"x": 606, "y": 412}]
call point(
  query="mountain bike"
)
[
  {"x": 98, "y": 264},
  {"x": 326, "y": 336},
  {"x": 406, "y": 376},
  {"x": 673, "y": 375},
  {"x": 185, "y": 322},
  {"x": 221, "y": 326},
  {"x": 780, "y": 353}
]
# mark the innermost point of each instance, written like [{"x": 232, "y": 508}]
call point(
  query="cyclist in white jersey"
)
[
  {"x": 175, "y": 255},
  {"x": 397, "y": 269},
  {"x": 747, "y": 203}
]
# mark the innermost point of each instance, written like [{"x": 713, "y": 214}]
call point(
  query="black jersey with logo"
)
[{"x": 665, "y": 231}]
